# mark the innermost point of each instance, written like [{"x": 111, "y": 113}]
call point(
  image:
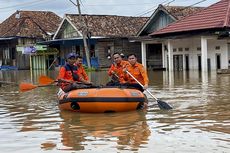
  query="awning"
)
[
  {"x": 69, "y": 41},
  {"x": 7, "y": 38}
]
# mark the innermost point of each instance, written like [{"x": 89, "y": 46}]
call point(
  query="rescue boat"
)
[{"x": 101, "y": 100}]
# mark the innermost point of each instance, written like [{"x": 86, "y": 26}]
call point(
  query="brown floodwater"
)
[{"x": 199, "y": 122}]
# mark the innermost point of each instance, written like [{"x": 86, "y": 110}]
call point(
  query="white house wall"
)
[
  {"x": 223, "y": 51},
  {"x": 214, "y": 47}
]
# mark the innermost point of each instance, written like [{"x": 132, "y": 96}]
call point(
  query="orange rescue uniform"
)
[
  {"x": 66, "y": 74},
  {"x": 139, "y": 72},
  {"x": 82, "y": 73},
  {"x": 118, "y": 69}
]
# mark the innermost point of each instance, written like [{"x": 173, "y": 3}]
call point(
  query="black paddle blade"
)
[{"x": 163, "y": 105}]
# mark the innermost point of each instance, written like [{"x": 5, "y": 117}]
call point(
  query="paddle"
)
[
  {"x": 44, "y": 81},
  {"x": 161, "y": 104},
  {"x": 23, "y": 87}
]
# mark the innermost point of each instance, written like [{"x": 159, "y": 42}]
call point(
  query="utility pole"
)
[{"x": 84, "y": 33}]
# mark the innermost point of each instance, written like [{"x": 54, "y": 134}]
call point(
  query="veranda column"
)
[
  {"x": 143, "y": 54},
  {"x": 204, "y": 54},
  {"x": 170, "y": 55},
  {"x": 163, "y": 56}
]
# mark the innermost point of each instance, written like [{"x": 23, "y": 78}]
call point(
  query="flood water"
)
[{"x": 199, "y": 122}]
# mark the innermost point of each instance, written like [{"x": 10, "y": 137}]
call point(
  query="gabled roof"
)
[
  {"x": 181, "y": 11},
  {"x": 174, "y": 12},
  {"x": 30, "y": 24},
  {"x": 213, "y": 17},
  {"x": 106, "y": 25}
]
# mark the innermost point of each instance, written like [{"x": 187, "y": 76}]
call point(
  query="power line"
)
[
  {"x": 197, "y": 3},
  {"x": 36, "y": 2},
  {"x": 151, "y": 9},
  {"x": 73, "y": 3},
  {"x": 23, "y": 4}
]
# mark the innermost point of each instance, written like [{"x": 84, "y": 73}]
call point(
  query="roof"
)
[
  {"x": 212, "y": 17},
  {"x": 174, "y": 12},
  {"x": 109, "y": 25},
  {"x": 30, "y": 24},
  {"x": 181, "y": 11}
]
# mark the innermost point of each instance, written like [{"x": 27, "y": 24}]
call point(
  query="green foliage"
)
[{"x": 89, "y": 69}]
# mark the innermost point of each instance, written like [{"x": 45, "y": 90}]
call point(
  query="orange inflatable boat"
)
[{"x": 101, "y": 100}]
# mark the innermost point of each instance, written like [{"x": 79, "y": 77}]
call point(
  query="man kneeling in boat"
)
[{"x": 69, "y": 78}]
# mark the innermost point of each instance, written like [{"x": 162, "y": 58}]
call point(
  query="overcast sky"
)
[{"x": 104, "y": 7}]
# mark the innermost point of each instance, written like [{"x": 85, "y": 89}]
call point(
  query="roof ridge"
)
[
  {"x": 34, "y": 11},
  {"x": 72, "y": 14}
]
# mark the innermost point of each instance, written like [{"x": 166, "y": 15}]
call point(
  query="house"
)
[
  {"x": 106, "y": 34},
  {"x": 20, "y": 32},
  {"x": 152, "y": 54},
  {"x": 199, "y": 41}
]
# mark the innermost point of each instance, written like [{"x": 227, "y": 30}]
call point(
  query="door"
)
[
  {"x": 187, "y": 62},
  {"x": 154, "y": 56},
  {"x": 218, "y": 61},
  {"x": 199, "y": 62},
  {"x": 209, "y": 64},
  {"x": 178, "y": 62}
]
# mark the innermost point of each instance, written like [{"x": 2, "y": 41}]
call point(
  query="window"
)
[
  {"x": 180, "y": 49},
  {"x": 217, "y": 47},
  {"x": 186, "y": 49},
  {"x": 108, "y": 52},
  {"x": 92, "y": 50}
]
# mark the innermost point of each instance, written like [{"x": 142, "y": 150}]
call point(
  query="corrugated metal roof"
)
[{"x": 214, "y": 16}]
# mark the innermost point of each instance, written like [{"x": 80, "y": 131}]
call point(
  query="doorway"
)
[
  {"x": 154, "y": 56},
  {"x": 199, "y": 62},
  {"x": 186, "y": 62},
  {"x": 209, "y": 64},
  {"x": 218, "y": 61},
  {"x": 178, "y": 62}
]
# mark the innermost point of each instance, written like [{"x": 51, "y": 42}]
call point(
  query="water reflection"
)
[
  {"x": 199, "y": 121},
  {"x": 129, "y": 130}
]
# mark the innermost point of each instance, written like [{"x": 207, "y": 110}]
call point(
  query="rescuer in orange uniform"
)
[
  {"x": 116, "y": 69},
  {"x": 81, "y": 70},
  {"x": 68, "y": 78},
  {"x": 138, "y": 71}
]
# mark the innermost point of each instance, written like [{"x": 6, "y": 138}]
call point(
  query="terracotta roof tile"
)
[
  {"x": 214, "y": 16},
  {"x": 30, "y": 24},
  {"x": 181, "y": 11},
  {"x": 110, "y": 25}
]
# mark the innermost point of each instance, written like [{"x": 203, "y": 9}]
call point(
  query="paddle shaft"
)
[
  {"x": 116, "y": 75},
  {"x": 141, "y": 84},
  {"x": 44, "y": 80}
]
